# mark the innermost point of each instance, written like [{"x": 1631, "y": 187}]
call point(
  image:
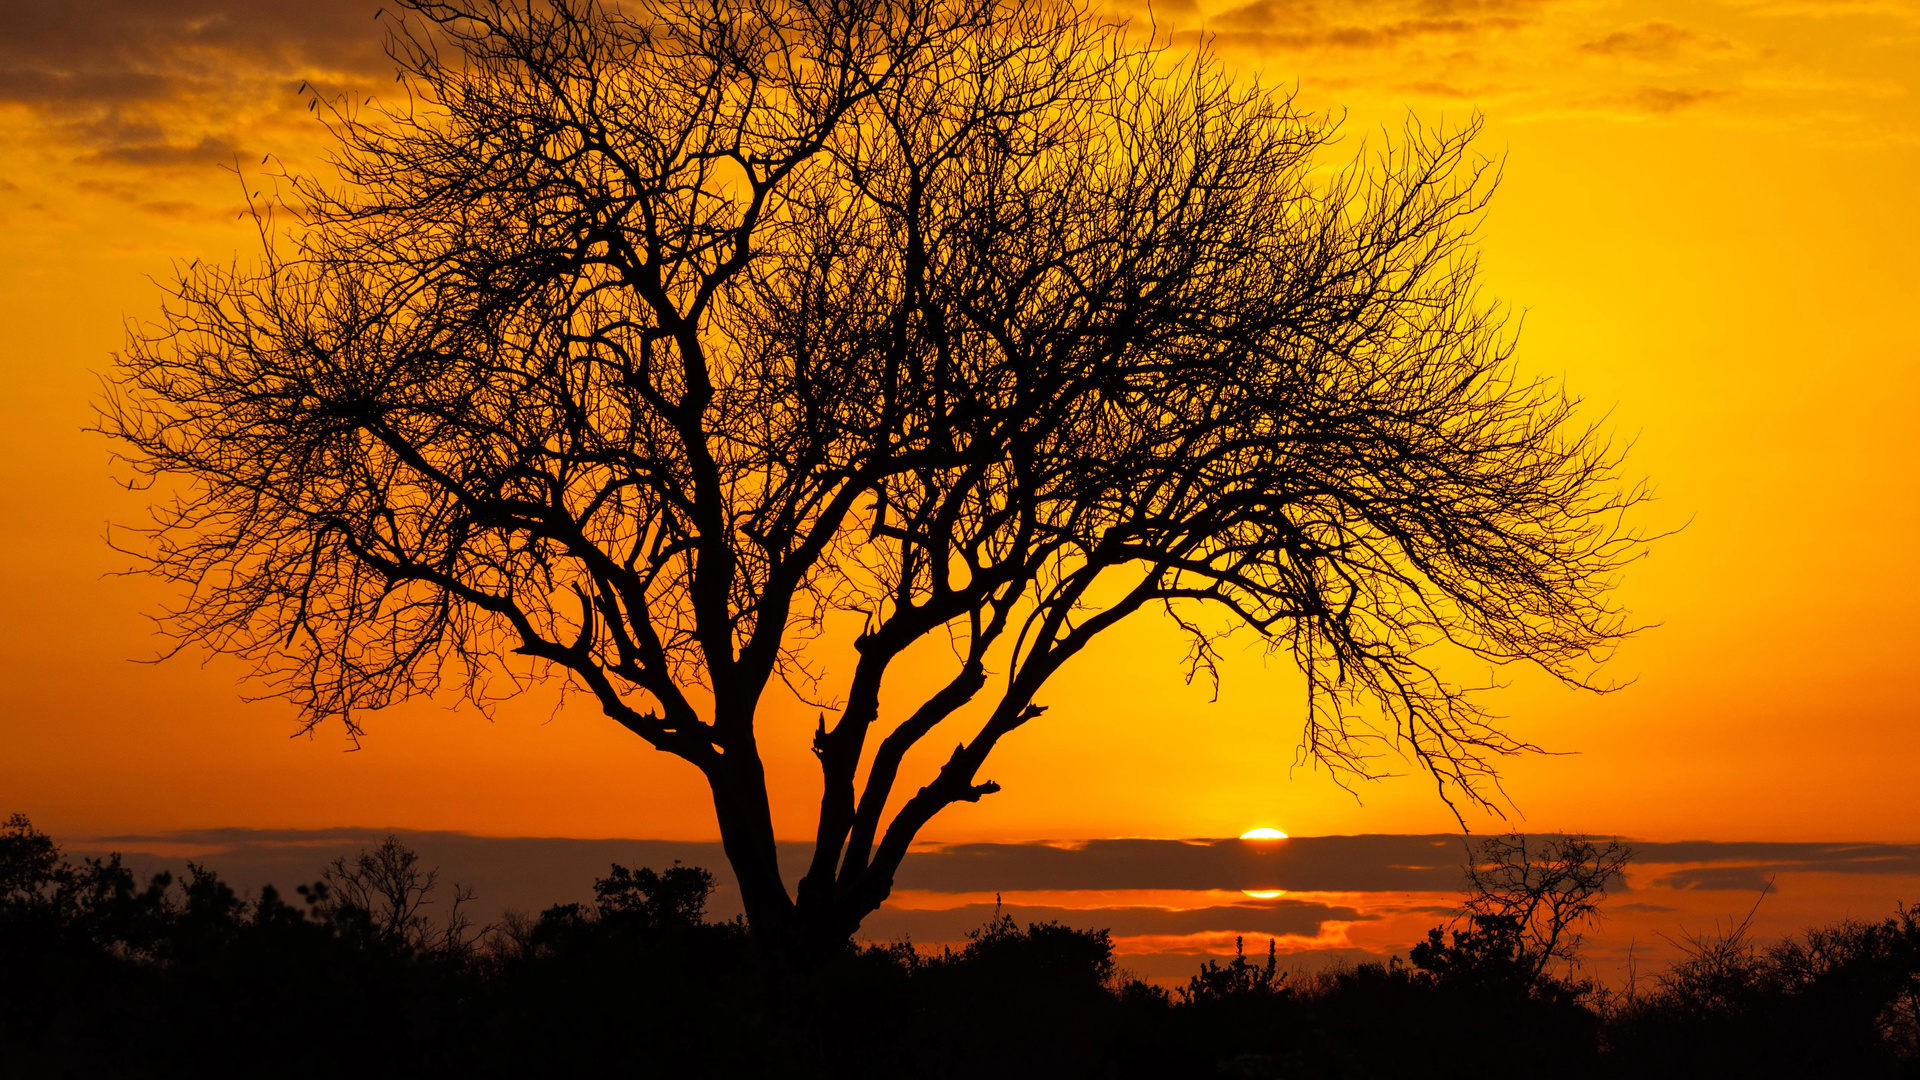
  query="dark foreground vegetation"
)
[{"x": 102, "y": 975}]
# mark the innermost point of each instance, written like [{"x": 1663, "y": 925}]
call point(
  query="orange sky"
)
[{"x": 1708, "y": 218}]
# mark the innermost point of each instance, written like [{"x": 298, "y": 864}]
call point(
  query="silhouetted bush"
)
[
  {"x": 105, "y": 975},
  {"x": 1842, "y": 1000}
]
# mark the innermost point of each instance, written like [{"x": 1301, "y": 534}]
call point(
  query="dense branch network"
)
[{"x": 634, "y": 343}]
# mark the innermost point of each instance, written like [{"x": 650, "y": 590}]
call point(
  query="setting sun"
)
[{"x": 1263, "y": 833}]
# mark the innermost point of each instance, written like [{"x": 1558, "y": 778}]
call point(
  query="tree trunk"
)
[
  {"x": 746, "y": 834},
  {"x": 796, "y": 937},
  {"x": 794, "y": 940}
]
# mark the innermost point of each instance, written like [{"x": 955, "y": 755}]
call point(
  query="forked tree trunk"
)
[{"x": 793, "y": 941}]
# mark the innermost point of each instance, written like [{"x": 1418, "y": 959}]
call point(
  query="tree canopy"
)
[{"x": 630, "y": 344}]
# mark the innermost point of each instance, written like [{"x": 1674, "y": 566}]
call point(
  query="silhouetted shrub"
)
[
  {"x": 1841, "y": 1000},
  {"x": 109, "y": 976},
  {"x": 106, "y": 976}
]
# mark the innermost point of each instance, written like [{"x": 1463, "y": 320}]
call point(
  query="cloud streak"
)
[
  {"x": 157, "y": 84},
  {"x": 1278, "y": 919},
  {"x": 534, "y": 871},
  {"x": 122, "y": 52},
  {"x": 1656, "y": 41}
]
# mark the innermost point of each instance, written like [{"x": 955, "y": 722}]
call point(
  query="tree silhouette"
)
[
  {"x": 631, "y": 345},
  {"x": 1528, "y": 903},
  {"x": 389, "y": 889},
  {"x": 1547, "y": 888}
]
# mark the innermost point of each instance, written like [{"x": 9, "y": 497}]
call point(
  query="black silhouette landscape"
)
[{"x": 377, "y": 966}]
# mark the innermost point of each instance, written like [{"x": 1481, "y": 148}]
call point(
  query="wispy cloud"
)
[
  {"x": 209, "y": 149},
  {"x": 1775, "y": 858},
  {"x": 1656, "y": 41},
  {"x": 1280, "y": 919},
  {"x": 117, "y": 52},
  {"x": 1317, "y": 864},
  {"x": 1372, "y": 26},
  {"x": 1717, "y": 878},
  {"x": 1660, "y": 100},
  {"x": 1252, "y": 26},
  {"x": 152, "y": 83},
  {"x": 1554, "y": 61},
  {"x": 1904, "y": 11}
]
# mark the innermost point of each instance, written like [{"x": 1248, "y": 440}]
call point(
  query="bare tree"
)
[
  {"x": 632, "y": 344},
  {"x": 1545, "y": 889},
  {"x": 1528, "y": 902},
  {"x": 1717, "y": 969},
  {"x": 391, "y": 889}
]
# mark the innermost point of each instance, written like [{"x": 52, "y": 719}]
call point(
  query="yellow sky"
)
[{"x": 1708, "y": 219}]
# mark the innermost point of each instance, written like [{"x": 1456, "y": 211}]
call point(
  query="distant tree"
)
[
  {"x": 676, "y": 896},
  {"x": 389, "y": 888},
  {"x": 30, "y": 865},
  {"x": 97, "y": 970},
  {"x": 635, "y": 344},
  {"x": 1528, "y": 903},
  {"x": 638, "y": 905}
]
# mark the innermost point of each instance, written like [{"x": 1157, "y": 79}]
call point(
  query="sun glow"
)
[
  {"x": 1263, "y": 894},
  {"x": 1263, "y": 833}
]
